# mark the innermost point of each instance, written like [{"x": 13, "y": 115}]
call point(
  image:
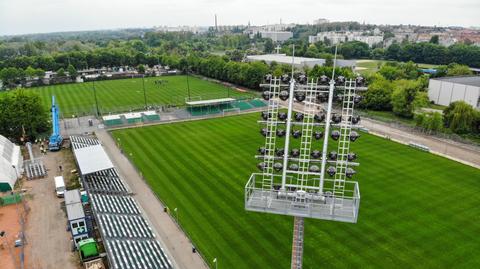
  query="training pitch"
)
[
  {"x": 417, "y": 210},
  {"x": 127, "y": 94}
]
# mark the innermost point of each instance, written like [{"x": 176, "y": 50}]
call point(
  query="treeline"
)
[
  {"x": 424, "y": 52},
  {"x": 431, "y": 53},
  {"x": 248, "y": 74}
]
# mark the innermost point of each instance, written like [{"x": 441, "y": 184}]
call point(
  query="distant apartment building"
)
[
  {"x": 193, "y": 29},
  {"x": 298, "y": 62},
  {"x": 341, "y": 37},
  {"x": 320, "y": 21},
  {"x": 277, "y": 32},
  {"x": 277, "y": 36}
]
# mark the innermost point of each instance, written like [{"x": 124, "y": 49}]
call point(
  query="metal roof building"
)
[
  {"x": 11, "y": 164},
  {"x": 128, "y": 239},
  {"x": 446, "y": 90},
  {"x": 298, "y": 61}
]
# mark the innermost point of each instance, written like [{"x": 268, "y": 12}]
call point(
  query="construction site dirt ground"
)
[
  {"x": 48, "y": 241},
  {"x": 10, "y": 224}
]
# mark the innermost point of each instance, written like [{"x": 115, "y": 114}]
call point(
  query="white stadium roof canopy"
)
[{"x": 92, "y": 159}]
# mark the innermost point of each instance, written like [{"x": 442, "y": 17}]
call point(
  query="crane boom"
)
[{"x": 56, "y": 138}]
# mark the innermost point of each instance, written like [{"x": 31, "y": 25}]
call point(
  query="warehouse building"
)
[
  {"x": 11, "y": 164},
  {"x": 443, "y": 91},
  {"x": 298, "y": 61}
]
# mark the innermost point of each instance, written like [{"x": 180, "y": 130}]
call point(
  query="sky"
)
[{"x": 41, "y": 16}]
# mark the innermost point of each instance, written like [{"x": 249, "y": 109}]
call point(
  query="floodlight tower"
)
[{"x": 294, "y": 179}]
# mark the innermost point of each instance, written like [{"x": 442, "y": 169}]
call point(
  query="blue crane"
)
[{"x": 56, "y": 139}]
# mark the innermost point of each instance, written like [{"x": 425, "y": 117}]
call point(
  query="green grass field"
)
[
  {"x": 127, "y": 94},
  {"x": 367, "y": 67},
  {"x": 417, "y": 210}
]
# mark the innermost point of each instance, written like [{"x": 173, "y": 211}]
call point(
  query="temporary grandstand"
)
[
  {"x": 215, "y": 106},
  {"x": 127, "y": 236},
  {"x": 11, "y": 164}
]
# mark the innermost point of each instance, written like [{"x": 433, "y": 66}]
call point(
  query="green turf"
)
[
  {"x": 417, "y": 210},
  {"x": 127, "y": 94}
]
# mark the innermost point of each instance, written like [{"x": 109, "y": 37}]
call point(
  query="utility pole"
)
[
  {"x": 144, "y": 93},
  {"x": 96, "y": 101},
  {"x": 188, "y": 84}
]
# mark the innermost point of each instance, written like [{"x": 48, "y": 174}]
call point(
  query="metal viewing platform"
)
[{"x": 308, "y": 203}]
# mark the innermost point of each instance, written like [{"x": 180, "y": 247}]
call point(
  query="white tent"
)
[{"x": 11, "y": 164}]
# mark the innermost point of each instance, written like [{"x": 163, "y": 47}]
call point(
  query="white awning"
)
[
  {"x": 133, "y": 115},
  {"x": 111, "y": 117},
  {"x": 92, "y": 159},
  {"x": 210, "y": 102}
]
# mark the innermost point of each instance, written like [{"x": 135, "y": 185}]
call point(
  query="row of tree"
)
[
  {"x": 459, "y": 117},
  {"x": 423, "y": 52},
  {"x": 431, "y": 53}
]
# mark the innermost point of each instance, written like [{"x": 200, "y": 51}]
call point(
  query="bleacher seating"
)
[
  {"x": 242, "y": 105},
  {"x": 113, "y": 122},
  {"x": 257, "y": 103}
]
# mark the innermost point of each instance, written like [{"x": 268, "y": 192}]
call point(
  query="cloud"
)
[{"x": 31, "y": 16}]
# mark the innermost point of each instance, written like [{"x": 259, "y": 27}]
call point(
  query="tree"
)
[
  {"x": 378, "y": 53},
  {"x": 379, "y": 94},
  {"x": 460, "y": 117},
  {"x": 434, "y": 39},
  {"x": 312, "y": 51},
  {"x": 458, "y": 70},
  {"x": 406, "y": 97},
  {"x": 61, "y": 72},
  {"x": 72, "y": 72},
  {"x": 30, "y": 72},
  {"x": 392, "y": 72},
  {"x": 436, "y": 122},
  {"x": 268, "y": 45},
  {"x": 141, "y": 69},
  {"x": 22, "y": 110},
  {"x": 11, "y": 76},
  {"x": 393, "y": 52},
  {"x": 329, "y": 60}
]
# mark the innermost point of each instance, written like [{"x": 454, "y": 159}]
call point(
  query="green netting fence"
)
[{"x": 10, "y": 199}]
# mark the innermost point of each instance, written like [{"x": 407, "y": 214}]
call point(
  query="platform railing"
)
[{"x": 315, "y": 204}]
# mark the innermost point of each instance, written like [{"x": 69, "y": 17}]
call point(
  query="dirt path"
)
[
  {"x": 178, "y": 246},
  {"x": 48, "y": 242},
  {"x": 10, "y": 224}
]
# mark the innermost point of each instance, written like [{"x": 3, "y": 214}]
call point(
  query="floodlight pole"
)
[
  {"x": 287, "y": 134},
  {"x": 327, "y": 125},
  {"x": 188, "y": 84},
  {"x": 288, "y": 123},
  {"x": 95, "y": 95},
  {"x": 144, "y": 93}
]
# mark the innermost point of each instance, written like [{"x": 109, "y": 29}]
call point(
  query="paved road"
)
[
  {"x": 467, "y": 154},
  {"x": 48, "y": 242},
  {"x": 178, "y": 246}
]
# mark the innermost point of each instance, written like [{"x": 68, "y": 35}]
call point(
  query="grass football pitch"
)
[
  {"x": 417, "y": 210},
  {"x": 127, "y": 94}
]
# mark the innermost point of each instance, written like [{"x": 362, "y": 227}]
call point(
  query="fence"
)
[
  {"x": 10, "y": 199},
  {"x": 411, "y": 128}
]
